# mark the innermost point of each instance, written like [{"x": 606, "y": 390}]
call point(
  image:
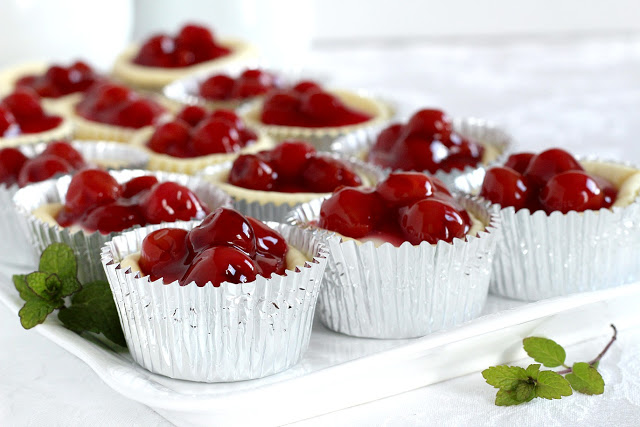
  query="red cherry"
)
[
  {"x": 432, "y": 220},
  {"x": 171, "y": 134},
  {"x": 269, "y": 264},
  {"x": 462, "y": 154},
  {"x": 268, "y": 241},
  {"x": 224, "y": 226},
  {"x": 138, "y": 114},
  {"x": 112, "y": 218},
  {"x": 306, "y": 86},
  {"x": 571, "y": 191},
  {"x": 253, "y": 83},
  {"x": 321, "y": 105},
  {"x": 290, "y": 157},
  {"x": 278, "y": 107},
  {"x": 65, "y": 151},
  {"x": 506, "y": 187},
  {"x": 24, "y": 104},
  {"x": 156, "y": 52},
  {"x": 519, "y": 162},
  {"x": 42, "y": 167},
  {"x": 250, "y": 171},
  {"x": 229, "y": 116},
  {"x": 324, "y": 175},
  {"x": 215, "y": 136},
  {"x": 388, "y": 137},
  {"x": 192, "y": 36},
  {"x": 192, "y": 114},
  {"x": 8, "y": 123},
  {"x": 609, "y": 191},
  {"x": 11, "y": 162},
  {"x": 549, "y": 163},
  {"x": 218, "y": 87},
  {"x": 247, "y": 135},
  {"x": 404, "y": 188},
  {"x": 107, "y": 95},
  {"x": 91, "y": 188},
  {"x": 170, "y": 201},
  {"x": 439, "y": 186},
  {"x": 220, "y": 264},
  {"x": 352, "y": 212},
  {"x": 419, "y": 154},
  {"x": 429, "y": 122},
  {"x": 137, "y": 185},
  {"x": 164, "y": 254}
]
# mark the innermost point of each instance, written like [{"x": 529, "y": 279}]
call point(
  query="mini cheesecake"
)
[{"x": 162, "y": 59}]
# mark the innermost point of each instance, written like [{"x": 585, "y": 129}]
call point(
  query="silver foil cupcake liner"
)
[
  {"x": 268, "y": 210},
  {"x": 87, "y": 246},
  {"x": 217, "y": 334},
  {"x": 321, "y": 138},
  {"x": 469, "y": 180},
  {"x": 543, "y": 256},
  {"x": 17, "y": 248},
  {"x": 407, "y": 291}
]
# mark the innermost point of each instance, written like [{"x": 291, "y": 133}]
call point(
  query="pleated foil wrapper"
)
[
  {"x": 407, "y": 291},
  {"x": 17, "y": 248},
  {"x": 86, "y": 245},
  {"x": 217, "y": 334},
  {"x": 266, "y": 209},
  {"x": 469, "y": 180},
  {"x": 543, "y": 256},
  {"x": 321, "y": 138}
]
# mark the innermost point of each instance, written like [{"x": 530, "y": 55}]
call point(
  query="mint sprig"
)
[
  {"x": 92, "y": 307},
  {"x": 517, "y": 385}
]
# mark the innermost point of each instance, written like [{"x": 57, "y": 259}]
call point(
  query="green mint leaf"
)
[
  {"x": 545, "y": 351},
  {"x": 20, "y": 282},
  {"x": 533, "y": 370},
  {"x": 34, "y": 312},
  {"x": 504, "y": 377},
  {"x": 552, "y": 385},
  {"x": 59, "y": 259},
  {"x": 70, "y": 285},
  {"x": 93, "y": 309},
  {"x": 585, "y": 379},
  {"x": 508, "y": 398},
  {"x": 525, "y": 391},
  {"x": 46, "y": 286}
]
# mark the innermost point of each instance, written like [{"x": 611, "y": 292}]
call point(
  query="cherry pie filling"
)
[
  {"x": 57, "y": 158},
  {"x": 226, "y": 247},
  {"x": 251, "y": 83},
  {"x": 196, "y": 133},
  {"x": 118, "y": 105},
  {"x": 308, "y": 105},
  {"x": 193, "y": 45},
  {"x": 95, "y": 201},
  {"x": 407, "y": 206},
  {"x": 291, "y": 167},
  {"x": 427, "y": 142},
  {"x": 21, "y": 113},
  {"x": 59, "y": 81},
  {"x": 551, "y": 181}
]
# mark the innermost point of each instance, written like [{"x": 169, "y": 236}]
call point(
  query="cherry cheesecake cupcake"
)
[
  {"x": 269, "y": 184},
  {"x": 456, "y": 151},
  {"x": 406, "y": 258},
  {"x": 163, "y": 58},
  {"x": 197, "y": 138},
  {"x": 89, "y": 208},
  {"x": 307, "y": 111},
  {"x": 27, "y": 164},
  {"x": 569, "y": 225},
  {"x": 227, "y": 299}
]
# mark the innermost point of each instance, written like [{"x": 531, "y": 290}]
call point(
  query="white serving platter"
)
[{"x": 338, "y": 371}]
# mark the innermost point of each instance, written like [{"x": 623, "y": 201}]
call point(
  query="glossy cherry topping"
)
[
  {"x": 225, "y": 247},
  {"x": 249, "y": 84},
  {"x": 57, "y": 158},
  {"x": 194, "y": 44},
  {"x": 59, "y": 81},
  {"x": 551, "y": 181},
  {"x": 118, "y": 105},
  {"x": 427, "y": 142},
  {"x": 291, "y": 167},
  {"x": 308, "y": 105},
  {"x": 95, "y": 201},
  {"x": 21, "y": 112},
  {"x": 407, "y": 206},
  {"x": 196, "y": 133}
]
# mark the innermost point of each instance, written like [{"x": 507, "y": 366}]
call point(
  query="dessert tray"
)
[{"x": 339, "y": 371}]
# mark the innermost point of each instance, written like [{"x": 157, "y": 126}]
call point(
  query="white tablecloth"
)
[{"x": 581, "y": 94}]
